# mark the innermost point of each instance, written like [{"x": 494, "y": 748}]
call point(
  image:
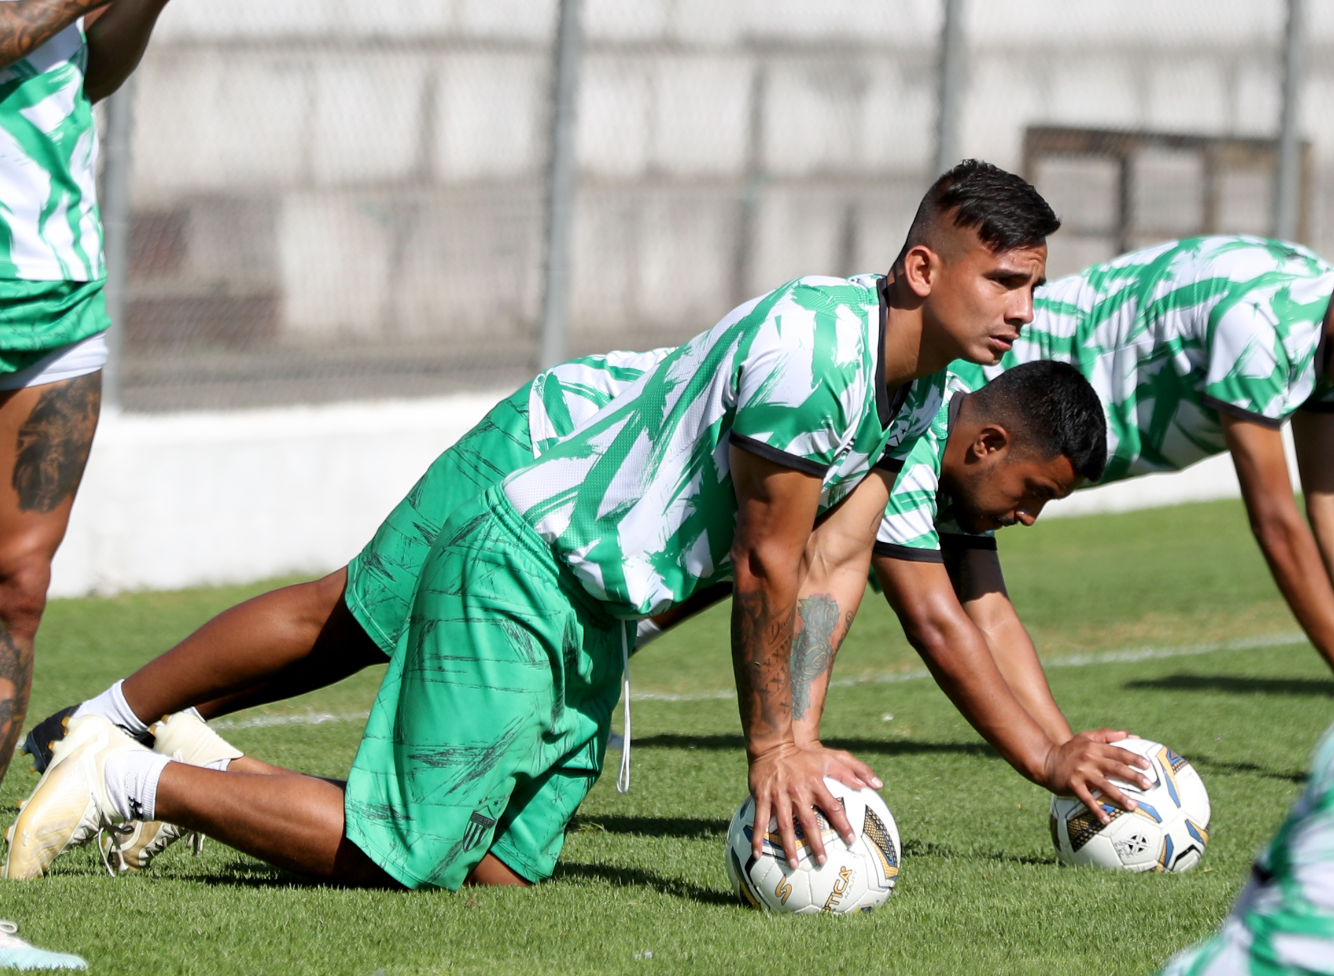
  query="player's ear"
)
[
  {"x": 920, "y": 265},
  {"x": 992, "y": 442}
]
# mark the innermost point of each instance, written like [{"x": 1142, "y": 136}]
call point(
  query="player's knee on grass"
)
[{"x": 491, "y": 871}]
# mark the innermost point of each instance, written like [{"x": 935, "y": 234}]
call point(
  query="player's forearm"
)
[
  {"x": 1017, "y": 658},
  {"x": 763, "y": 613},
  {"x": 1320, "y": 512},
  {"x": 26, "y": 25},
  {"x": 1295, "y": 561},
  {"x": 822, "y": 624},
  {"x": 116, "y": 43}
]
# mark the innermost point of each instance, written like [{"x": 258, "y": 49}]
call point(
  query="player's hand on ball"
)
[
  {"x": 787, "y": 782},
  {"x": 1087, "y": 765}
]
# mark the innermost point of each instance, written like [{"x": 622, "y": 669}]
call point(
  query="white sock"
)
[
  {"x": 111, "y": 705},
  {"x": 132, "y": 778}
]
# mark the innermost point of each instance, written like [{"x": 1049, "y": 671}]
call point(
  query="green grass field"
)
[{"x": 980, "y": 890}]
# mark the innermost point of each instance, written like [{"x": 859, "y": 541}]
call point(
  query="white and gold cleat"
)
[
  {"x": 70, "y": 803},
  {"x": 184, "y": 737},
  {"x": 132, "y": 846}
]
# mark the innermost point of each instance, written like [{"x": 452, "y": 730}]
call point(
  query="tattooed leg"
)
[{"x": 46, "y": 433}]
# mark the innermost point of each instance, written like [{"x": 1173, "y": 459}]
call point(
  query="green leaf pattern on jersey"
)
[
  {"x": 918, "y": 511},
  {"x": 50, "y": 229},
  {"x": 639, "y": 502},
  {"x": 1162, "y": 332},
  {"x": 1283, "y": 922},
  {"x": 567, "y": 396}
]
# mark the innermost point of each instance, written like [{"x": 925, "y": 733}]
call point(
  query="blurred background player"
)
[
  {"x": 52, "y": 313},
  {"x": 1283, "y": 922},
  {"x": 1202, "y": 346}
]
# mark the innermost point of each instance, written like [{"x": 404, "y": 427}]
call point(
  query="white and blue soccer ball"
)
[
  {"x": 855, "y": 877},
  {"x": 1168, "y": 831}
]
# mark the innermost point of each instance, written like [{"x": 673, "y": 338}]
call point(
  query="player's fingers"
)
[
  {"x": 1086, "y": 797},
  {"x": 786, "y": 829},
  {"x": 848, "y": 773},
  {"x": 863, "y": 771},
  {"x": 1112, "y": 792},
  {"x": 838, "y": 817},
  {"x": 762, "y": 813},
  {"x": 1128, "y": 759},
  {"x": 1106, "y": 735},
  {"x": 810, "y": 829},
  {"x": 1128, "y": 774}
]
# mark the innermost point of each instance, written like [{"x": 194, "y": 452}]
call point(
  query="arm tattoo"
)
[
  {"x": 16, "y": 672},
  {"x": 54, "y": 442},
  {"x": 26, "y": 25},
  {"x": 813, "y": 649},
  {"x": 761, "y": 645}
]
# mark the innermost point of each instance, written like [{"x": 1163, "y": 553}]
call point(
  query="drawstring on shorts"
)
[{"x": 623, "y": 778}]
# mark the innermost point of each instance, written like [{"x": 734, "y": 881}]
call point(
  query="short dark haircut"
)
[
  {"x": 1049, "y": 409},
  {"x": 1005, "y": 209}
]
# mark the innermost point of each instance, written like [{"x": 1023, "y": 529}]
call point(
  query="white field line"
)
[{"x": 1121, "y": 656}]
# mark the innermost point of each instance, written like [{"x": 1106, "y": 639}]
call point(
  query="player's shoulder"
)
[{"x": 826, "y": 294}]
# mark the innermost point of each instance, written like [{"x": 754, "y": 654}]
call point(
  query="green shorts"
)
[
  {"x": 382, "y": 578},
  {"x": 38, "y": 317},
  {"x": 491, "y": 723}
]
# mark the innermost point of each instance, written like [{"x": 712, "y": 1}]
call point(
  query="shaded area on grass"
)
[
  {"x": 622, "y": 877},
  {"x": 691, "y": 829},
  {"x": 1234, "y": 685},
  {"x": 913, "y": 847},
  {"x": 1248, "y": 769}
]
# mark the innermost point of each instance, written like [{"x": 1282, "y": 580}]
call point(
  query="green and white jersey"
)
[
  {"x": 567, "y": 396},
  {"x": 50, "y": 229},
  {"x": 639, "y": 503},
  {"x": 1174, "y": 335},
  {"x": 1283, "y": 922},
  {"x": 919, "y": 520}
]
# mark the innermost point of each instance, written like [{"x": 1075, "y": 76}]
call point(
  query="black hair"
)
[
  {"x": 1048, "y": 408},
  {"x": 1005, "y": 209}
]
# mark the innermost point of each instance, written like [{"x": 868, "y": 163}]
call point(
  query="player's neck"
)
[{"x": 909, "y": 353}]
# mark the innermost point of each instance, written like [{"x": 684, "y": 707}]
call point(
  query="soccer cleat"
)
[
  {"x": 186, "y": 737},
  {"x": 17, "y": 954},
  {"x": 70, "y": 803},
  {"x": 43, "y": 736},
  {"x": 132, "y": 846}
]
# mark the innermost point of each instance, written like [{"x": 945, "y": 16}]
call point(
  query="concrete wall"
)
[
  {"x": 195, "y": 499},
  {"x": 380, "y": 166}
]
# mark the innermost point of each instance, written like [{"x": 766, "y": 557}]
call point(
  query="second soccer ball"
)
[{"x": 1167, "y": 831}]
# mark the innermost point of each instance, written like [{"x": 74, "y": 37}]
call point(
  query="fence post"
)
[
  {"x": 562, "y": 183},
  {"x": 117, "y": 170},
  {"x": 949, "y": 86},
  {"x": 1288, "y": 180}
]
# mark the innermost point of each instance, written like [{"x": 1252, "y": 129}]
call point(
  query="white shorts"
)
[{"x": 77, "y": 359}]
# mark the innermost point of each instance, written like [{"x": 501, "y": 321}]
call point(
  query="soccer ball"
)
[
  {"x": 854, "y": 878},
  {"x": 1167, "y": 832}
]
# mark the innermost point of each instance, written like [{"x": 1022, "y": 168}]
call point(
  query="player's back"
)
[{"x": 1172, "y": 334}]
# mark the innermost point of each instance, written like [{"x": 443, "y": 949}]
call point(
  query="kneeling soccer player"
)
[{"x": 531, "y": 588}]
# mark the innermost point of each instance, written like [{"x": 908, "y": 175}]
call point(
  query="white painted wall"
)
[{"x": 192, "y": 499}]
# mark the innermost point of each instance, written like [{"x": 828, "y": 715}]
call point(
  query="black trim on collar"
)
[
  {"x": 883, "y": 407},
  {"x": 760, "y": 449},
  {"x": 908, "y": 554},
  {"x": 1241, "y": 413}
]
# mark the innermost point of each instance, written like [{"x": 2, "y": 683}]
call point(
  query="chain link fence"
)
[{"x": 338, "y": 201}]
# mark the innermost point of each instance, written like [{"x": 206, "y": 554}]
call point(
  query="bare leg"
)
[
  {"x": 46, "y": 433},
  {"x": 287, "y": 819},
  {"x": 271, "y": 647}
]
